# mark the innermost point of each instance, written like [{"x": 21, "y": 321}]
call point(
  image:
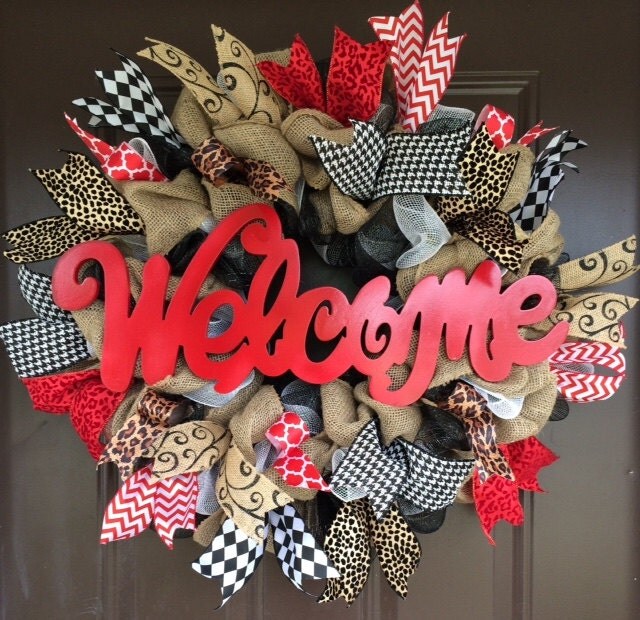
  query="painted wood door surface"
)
[{"x": 574, "y": 64}]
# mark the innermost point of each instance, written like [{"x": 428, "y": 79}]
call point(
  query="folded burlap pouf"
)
[
  {"x": 170, "y": 210},
  {"x": 191, "y": 121}
]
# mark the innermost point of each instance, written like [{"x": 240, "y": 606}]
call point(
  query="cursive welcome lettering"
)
[{"x": 271, "y": 337}]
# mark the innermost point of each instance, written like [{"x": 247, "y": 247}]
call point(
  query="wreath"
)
[{"x": 259, "y": 412}]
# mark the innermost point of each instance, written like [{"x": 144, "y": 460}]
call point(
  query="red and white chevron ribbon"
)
[
  {"x": 421, "y": 75},
  {"x": 435, "y": 72},
  {"x": 406, "y": 35},
  {"x": 170, "y": 503},
  {"x": 292, "y": 463},
  {"x": 586, "y": 387}
]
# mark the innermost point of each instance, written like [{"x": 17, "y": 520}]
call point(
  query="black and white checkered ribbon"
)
[
  {"x": 135, "y": 107},
  {"x": 547, "y": 174},
  {"x": 46, "y": 344},
  {"x": 401, "y": 470},
  {"x": 378, "y": 164},
  {"x": 234, "y": 556}
]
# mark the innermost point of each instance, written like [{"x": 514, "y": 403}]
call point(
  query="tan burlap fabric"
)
[
  {"x": 593, "y": 316},
  {"x": 223, "y": 415},
  {"x": 207, "y": 530},
  {"x": 249, "y": 426},
  {"x": 170, "y": 210},
  {"x": 313, "y": 173},
  {"x": 545, "y": 242},
  {"x": 301, "y": 124},
  {"x": 343, "y": 420},
  {"x": 127, "y": 408},
  {"x": 321, "y": 202},
  {"x": 225, "y": 199},
  {"x": 607, "y": 266},
  {"x": 210, "y": 97},
  {"x": 536, "y": 410},
  {"x": 243, "y": 83},
  {"x": 395, "y": 422},
  {"x": 191, "y": 121}
]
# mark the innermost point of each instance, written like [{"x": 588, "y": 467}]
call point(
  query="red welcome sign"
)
[{"x": 368, "y": 335}]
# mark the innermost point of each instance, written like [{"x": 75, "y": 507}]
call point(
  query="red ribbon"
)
[
  {"x": 586, "y": 387},
  {"x": 89, "y": 403}
]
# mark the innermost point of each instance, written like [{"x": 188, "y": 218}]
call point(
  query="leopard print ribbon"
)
[
  {"x": 477, "y": 418},
  {"x": 218, "y": 165},
  {"x": 352, "y": 535},
  {"x": 92, "y": 206},
  {"x": 151, "y": 420},
  {"x": 487, "y": 173}
]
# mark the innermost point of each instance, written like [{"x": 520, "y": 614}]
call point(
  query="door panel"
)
[{"x": 572, "y": 64}]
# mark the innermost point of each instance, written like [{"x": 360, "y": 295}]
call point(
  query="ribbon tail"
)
[
  {"x": 130, "y": 512},
  {"x": 233, "y": 556},
  {"x": 398, "y": 549},
  {"x": 347, "y": 546}
]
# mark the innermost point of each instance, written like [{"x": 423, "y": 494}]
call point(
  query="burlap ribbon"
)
[
  {"x": 210, "y": 96},
  {"x": 602, "y": 268},
  {"x": 169, "y": 210}
]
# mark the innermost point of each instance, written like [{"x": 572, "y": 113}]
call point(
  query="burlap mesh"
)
[
  {"x": 90, "y": 321},
  {"x": 602, "y": 268},
  {"x": 342, "y": 420},
  {"x": 313, "y": 173},
  {"x": 321, "y": 202},
  {"x": 225, "y": 199},
  {"x": 242, "y": 80},
  {"x": 536, "y": 410},
  {"x": 191, "y": 121},
  {"x": 207, "y": 530},
  {"x": 265, "y": 143},
  {"x": 394, "y": 421},
  {"x": 521, "y": 178},
  {"x": 350, "y": 215},
  {"x": 301, "y": 124},
  {"x": 280, "y": 57},
  {"x": 170, "y": 210},
  {"x": 249, "y": 426},
  {"x": 223, "y": 415}
]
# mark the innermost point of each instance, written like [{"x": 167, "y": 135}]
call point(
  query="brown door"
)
[{"x": 574, "y": 64}]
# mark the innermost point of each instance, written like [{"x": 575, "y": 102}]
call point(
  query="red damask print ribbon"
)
[
  {"x": 585, "y": 387},
  {"x": 81, "y": 394},
  {"x": 497, "y": 498},
  {"x": 122, "y": 163},
  {"x": 354, "y": 83},
  {"x": 170, "y": 503},
  {"x": 500, "y": 126},
  {"x": 295, "y": 467}
]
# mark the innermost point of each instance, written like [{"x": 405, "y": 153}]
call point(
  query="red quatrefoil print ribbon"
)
[{"x": 295, "y": 467}]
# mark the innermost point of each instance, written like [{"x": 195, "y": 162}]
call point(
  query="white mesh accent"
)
[
  {"x": 421, "y": 225},
  {"x": 266, "y": 455},
  {"x": 207, "y": 502},
  {"x": 140, "y": 146},
  {"x": 346, "y": 494},
  {"x": 505, "y": 408}
]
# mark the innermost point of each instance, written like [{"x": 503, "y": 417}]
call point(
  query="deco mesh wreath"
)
[{"x": 175, "y": 334}]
